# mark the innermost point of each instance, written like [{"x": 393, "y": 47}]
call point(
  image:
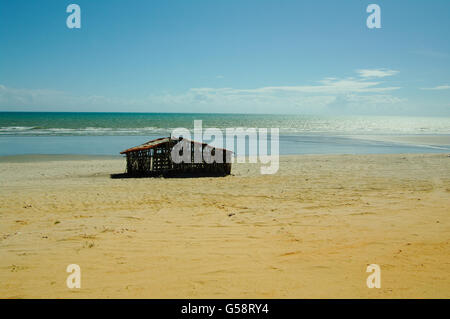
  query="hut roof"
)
[
  {"x": 147, "y": 145},
  {"x": 159, "y": 141}
]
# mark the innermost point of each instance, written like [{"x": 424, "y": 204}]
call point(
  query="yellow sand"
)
[{"x": 307, "y": 232}]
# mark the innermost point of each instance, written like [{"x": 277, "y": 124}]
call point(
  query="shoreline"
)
[
  {"x": 32, "y": 158},
  {"x": 426, "y": 140},
  {"x": 12, "y": 147},
  {"x": 24, "y": 158}
]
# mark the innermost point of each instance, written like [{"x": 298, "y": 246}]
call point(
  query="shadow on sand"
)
[{"x": 168, "y": 175}]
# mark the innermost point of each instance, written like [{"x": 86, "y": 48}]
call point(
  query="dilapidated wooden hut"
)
[{"x": 154, "y": 158}]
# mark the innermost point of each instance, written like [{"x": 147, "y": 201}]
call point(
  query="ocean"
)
[{"x": 110, "y": 133}]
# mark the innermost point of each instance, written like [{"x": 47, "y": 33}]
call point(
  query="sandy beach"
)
[{"x": 307, "y": 232}]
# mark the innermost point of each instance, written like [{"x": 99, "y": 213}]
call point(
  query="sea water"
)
[{"x": 110, "y": 133}]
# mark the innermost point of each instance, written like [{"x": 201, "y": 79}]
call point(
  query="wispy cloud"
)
[
  {"x": 44, "y": 98},
  {"x": 438, "y": 88},
  {"x": 327, "y": 93},
  {"x": 432, "y": 54},
  {"x": 327, "y": 86},
  {"x": 15, "y": 96},
  {"x": 376, "y": 73}
]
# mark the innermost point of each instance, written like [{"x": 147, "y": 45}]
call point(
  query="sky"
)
[{"x": 234, "y": 56}]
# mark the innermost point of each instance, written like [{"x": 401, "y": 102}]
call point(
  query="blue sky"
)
[{"x": 239, "y": 56}]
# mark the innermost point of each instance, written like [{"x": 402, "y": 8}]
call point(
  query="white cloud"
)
[
  {"x": 329, "y": 92},
  {"x": 437, "y": 88},
  {"x": 327, "y": 86},
  {"x": 376, "y": 73}
]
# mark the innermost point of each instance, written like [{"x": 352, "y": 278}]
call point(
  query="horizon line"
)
[{"x": 209, "y": 113}]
